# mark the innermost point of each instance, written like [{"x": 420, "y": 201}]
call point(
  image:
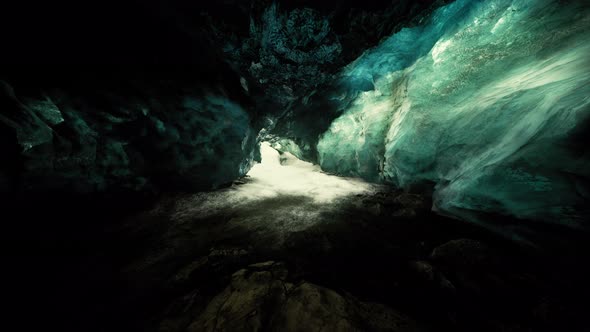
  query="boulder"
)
[{"x": 260, "y": 298}]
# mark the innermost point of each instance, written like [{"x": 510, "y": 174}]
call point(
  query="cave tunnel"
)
[{"x": 294, "y": 165}]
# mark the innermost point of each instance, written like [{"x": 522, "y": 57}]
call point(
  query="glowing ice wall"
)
[{"x": 485, "y": 98}]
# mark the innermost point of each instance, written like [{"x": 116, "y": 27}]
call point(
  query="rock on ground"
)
[{"x": 259, "y": 298}]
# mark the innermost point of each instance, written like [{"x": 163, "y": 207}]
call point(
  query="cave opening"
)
[{"x": 282, "y": 173}]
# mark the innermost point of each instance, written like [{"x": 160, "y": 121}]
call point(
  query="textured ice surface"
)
[
  {"x": 484, "y": 99},
  {"x": 286, "y": 51}
]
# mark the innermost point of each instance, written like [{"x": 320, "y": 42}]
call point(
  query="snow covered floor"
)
[
  {"x": 281, "y": 195},
  {"x": 286, "y": 175},
  {"x": 280, "y": 176}
]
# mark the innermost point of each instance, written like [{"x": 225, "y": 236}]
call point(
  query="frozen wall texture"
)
[
  {"x": 490, "y": 100},
  {"x": 132, "y": 138}
]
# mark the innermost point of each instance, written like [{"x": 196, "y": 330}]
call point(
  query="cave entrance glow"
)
[
  {"x": 284, "y": 174},
  {"x": 282, "y": 190},
  {"x": 280, "y": 195}
]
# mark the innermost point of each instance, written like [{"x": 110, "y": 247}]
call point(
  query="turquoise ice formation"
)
[{"x": 483, "y": 98}]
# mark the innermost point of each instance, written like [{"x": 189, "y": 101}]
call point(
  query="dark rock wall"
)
[{"x": 135, "y": 135}]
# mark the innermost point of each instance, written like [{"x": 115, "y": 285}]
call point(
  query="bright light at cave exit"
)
[
  {"x": 282, "y": 177},
  {"x": 284, "y": 174}
]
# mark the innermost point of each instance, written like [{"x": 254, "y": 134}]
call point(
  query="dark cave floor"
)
[{"x": 375, "y": 260}]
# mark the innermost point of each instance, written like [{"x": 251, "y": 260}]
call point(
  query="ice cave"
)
[{"x": 296, "y": 165}]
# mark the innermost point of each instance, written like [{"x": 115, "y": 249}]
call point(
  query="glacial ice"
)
[{"x": 484, "y": 98}]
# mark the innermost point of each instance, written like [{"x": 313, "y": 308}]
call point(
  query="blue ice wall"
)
[{"x": 488, "y": 99}]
